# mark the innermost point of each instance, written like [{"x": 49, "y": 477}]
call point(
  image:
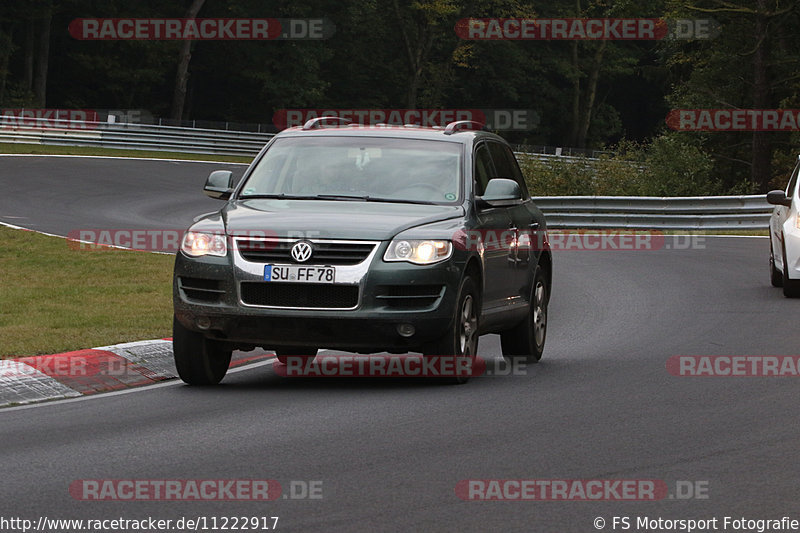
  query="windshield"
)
[{"x": 358, "y": 168}]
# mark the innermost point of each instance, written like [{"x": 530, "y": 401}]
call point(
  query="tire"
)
[
  {"x": 287, "y": 353},
  {"x": 775, "y": 275},
  {"x": 461, "y": 341},
  {"x": 199, "y": 361},
  {"x": 791, "y": 287},
  {"x": 527, "y": 338}
]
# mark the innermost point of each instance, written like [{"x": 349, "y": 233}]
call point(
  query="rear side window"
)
[{"x": 506, "y": 165}]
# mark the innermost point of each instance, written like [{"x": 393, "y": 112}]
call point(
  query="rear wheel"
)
[
  {"x": 791, "y": 287},
  {"x": 526, "y": 339},
  {"x": 461, "y": 341},
  {"x": 200, "y": 361},
  {"x": 775, "y": 275},
  {"x": 294, "y": 354}
]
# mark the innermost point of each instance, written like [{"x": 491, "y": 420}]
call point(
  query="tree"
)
[
  {"x": 42, "y": 56},
  {"x": 751, "y": 65},
  {"x": 182, "y": 75}
]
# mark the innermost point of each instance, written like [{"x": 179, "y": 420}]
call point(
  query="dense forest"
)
[{"x": 612, "y": 95}]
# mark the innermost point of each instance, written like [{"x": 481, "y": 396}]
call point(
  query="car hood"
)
[{"x": 327, "y": 219}]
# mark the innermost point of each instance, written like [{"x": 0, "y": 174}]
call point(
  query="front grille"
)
[
  {"x": 314, "y": 295},
  {"x": 204, "y": 290},
  {"x": 325, "y": 253},
  {"x": 408, "y": 296}
]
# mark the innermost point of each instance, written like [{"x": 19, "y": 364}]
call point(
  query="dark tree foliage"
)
[{"x": 399, "y": 54}]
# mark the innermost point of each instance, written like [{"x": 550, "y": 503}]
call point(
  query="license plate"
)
[{"x": 301, "y": 274}]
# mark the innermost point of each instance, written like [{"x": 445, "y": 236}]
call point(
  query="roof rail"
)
[
  {"x": 314, "y": 122},
  {"x": 458, "y": 125}
]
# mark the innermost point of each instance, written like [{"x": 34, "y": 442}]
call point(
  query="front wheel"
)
[
  {"x": 461, "y": 340},
  {"x": 526, "y": 339},
  {"x": 200, "y": 361}
]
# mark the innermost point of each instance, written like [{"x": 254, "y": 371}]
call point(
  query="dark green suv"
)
[{"x": 364, "y": 239}]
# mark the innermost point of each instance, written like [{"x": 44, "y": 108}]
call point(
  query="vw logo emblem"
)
[{"x": 301, "y": 251}]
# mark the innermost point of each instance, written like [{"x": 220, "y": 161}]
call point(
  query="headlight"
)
[
  {"x": 797, "y": 221},
  {"x": 419, "y": 252},
  {"x": 197, "y": 244}
]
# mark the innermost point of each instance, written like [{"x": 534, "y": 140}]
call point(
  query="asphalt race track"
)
[
  {"x": 62, "y": 194},
  {"x": 389, "y": 452}
]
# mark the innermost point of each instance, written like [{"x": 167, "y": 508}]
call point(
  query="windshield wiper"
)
[
  {"x": 367, "y": 198},
  {"x": 278, "y": 196},
  {"x": 361, "y": 197},
  {"x": 342, "y": 197}
]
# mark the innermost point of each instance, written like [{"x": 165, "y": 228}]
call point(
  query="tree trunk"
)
[
  {"x": 417, "y": 62},
  {"x": 591, "y": 94},
  {"x": 417, "y": 51},
  {"x": 27, "y": 75},
  {"x": 182, "y": 76},
  {"x": 576, "y": 96},
  {"x": 413, "y": 88},
  {"x": 6, "y": 42},
  {"x": 576, "y": 86},
  {"x": 42, "y": 59},
  {"x": 760, "y": 171}
]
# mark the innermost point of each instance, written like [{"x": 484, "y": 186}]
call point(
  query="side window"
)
[
  {"x": 483, "y": 169},
  {"x": 792, "y": 182},
  {"x": 506, "y": 165}
]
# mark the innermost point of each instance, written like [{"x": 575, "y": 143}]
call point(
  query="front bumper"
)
[{"x": 389, "y": 295}]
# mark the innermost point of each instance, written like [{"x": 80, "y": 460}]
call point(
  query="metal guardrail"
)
[
  {"x": 551, "y": 157},
  {"x": 652, "y": 212},
  {"x": 559, "y": 151},
  {"x": 64, "y": 132}
]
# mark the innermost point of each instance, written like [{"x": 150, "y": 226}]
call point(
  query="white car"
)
[{"x": 784, "y": 237}]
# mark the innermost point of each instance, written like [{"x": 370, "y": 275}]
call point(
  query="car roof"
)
[{"x": 407, "y": 132}]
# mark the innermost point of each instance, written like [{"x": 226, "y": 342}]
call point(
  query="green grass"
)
[
  {"x": 55, "y": 298},
  {"x": 18, "y": 148}
]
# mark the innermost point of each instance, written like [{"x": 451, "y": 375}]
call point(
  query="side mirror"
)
[
  {"x": 500, "y": 192},
  {"x": 778, "y": 198},
  {"x": 219, "y": 185}
]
